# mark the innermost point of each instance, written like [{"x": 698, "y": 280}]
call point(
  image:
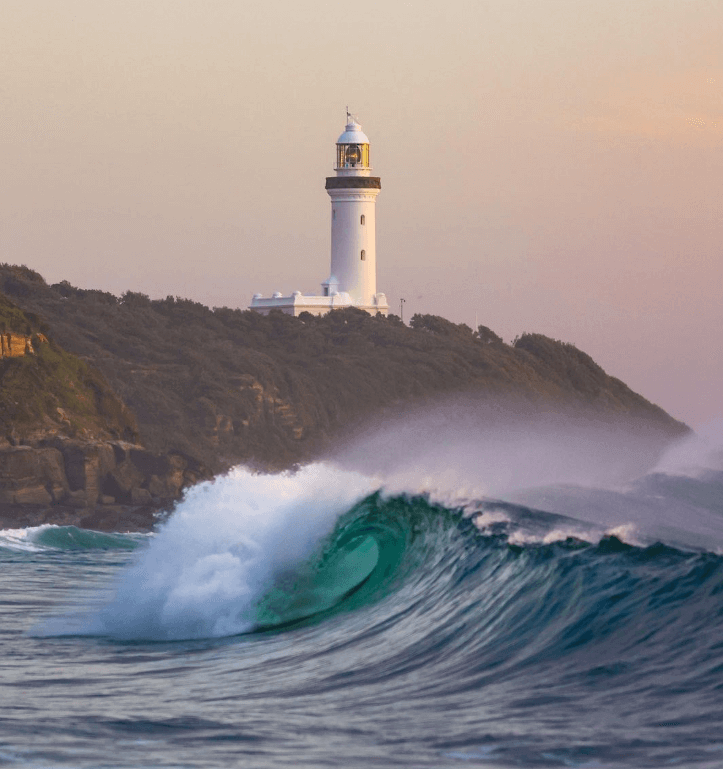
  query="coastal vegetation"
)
[
  {"x": 226, "y": 386},
  {"x": 44, "y": 389}
]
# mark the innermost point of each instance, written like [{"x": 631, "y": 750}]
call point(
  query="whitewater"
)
[{"x": 447, "y": 590}]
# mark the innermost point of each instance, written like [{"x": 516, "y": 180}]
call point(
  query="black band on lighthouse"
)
[{"x": 353, "y": 182}]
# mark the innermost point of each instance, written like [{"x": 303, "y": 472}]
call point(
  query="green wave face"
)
[
  {"x": 73, "y": 538},
  {"x": 366, "y": 557}
]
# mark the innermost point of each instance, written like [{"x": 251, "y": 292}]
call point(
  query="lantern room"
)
[{"x": 352, "y": 149}]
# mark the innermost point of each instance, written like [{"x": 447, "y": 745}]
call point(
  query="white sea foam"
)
[
  {"x": 626, "y": 533},
  {"x": 490, "y": 518},
  {"x": 202, "y": 574},
  {"x": 23, "y": 539}
]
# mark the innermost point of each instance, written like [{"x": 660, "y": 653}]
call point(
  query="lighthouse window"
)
[
  {"x": 363, "y": 219},
  {"x": 333, "y": 213},
  {"x": 363, "y": 254}
]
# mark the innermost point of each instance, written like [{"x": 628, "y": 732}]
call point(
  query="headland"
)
[{"x": 117, "y": 404}]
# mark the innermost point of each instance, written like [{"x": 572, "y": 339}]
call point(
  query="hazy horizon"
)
[{"x": 550, "y": 167}]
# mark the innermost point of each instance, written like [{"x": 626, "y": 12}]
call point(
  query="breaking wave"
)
[{"x": 569, "y": 624}]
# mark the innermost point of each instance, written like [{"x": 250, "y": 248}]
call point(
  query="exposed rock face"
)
[
  {"x": 31, "y": 476},
  {"x": 87, "y": 474},
  {"x": 17, "y": 345}
]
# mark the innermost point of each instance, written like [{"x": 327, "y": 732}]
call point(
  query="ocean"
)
[{"x": 361, "y": 617}]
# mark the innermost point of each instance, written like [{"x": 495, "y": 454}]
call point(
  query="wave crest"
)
[{"x": 203, "y": 573}]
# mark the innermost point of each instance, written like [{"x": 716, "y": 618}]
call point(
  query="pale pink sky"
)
[{"x": 547, "y": 165}]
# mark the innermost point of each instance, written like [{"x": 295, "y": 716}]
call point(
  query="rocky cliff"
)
[
  {"x": 68, "y": 445},
  {"x": 90, "y": 482},
  {"x": 87, "y": 473}
]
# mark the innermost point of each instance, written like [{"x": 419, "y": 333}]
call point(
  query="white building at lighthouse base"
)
[{"x": 316, "y": 305}]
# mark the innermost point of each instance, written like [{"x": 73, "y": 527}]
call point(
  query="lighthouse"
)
[
  {"x": 353, "y": 275},
  {"x": 353, "y": 192}
]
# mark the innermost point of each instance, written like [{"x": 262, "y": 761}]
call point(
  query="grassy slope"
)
[{"x": 34, "y": 387}]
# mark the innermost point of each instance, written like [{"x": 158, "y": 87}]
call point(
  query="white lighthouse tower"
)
[
  {"x": 353, "y": 192},
  {"x": 353, "y": 279}
]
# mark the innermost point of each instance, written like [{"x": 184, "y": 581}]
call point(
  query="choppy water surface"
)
[{"x": 312, "y": 620}]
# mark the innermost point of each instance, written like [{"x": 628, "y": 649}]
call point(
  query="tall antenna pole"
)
[{"x": 401, "y": 309}]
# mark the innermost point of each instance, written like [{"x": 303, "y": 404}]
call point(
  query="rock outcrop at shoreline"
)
[
  {"x": 76, "y": 481},
  {"x": 83, "y": 474}
]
